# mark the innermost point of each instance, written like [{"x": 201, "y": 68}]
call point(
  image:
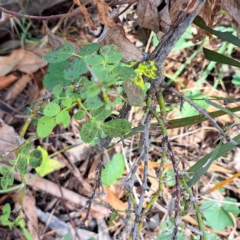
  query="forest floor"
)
[{"x": 23, "y": 42}]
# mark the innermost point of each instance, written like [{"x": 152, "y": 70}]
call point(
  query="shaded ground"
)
[{"x": 52, "y": 201}]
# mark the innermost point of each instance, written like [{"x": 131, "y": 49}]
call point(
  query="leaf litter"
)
[{"x": 190, "y": 139}]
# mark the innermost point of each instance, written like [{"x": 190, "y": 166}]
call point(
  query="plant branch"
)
[{"x": 72, "y": 14}]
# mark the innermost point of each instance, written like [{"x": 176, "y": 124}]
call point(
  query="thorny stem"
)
[
  {"x": 168, "y": 152},
  {"x": 205, "y": 113},
  {"x": 178, "y": 187},
  {"x": 74, "y": 13},
  {"x": 196, "y": 207},
  {"x": 161, "y": 103},
  {"x": 138, "y": 219}
]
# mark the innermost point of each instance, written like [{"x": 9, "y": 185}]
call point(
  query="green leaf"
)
[
  {"x": 6, "y": 210},
  {"x": 24, "y": 148},
  {"x": 93, "y": 60},
  {"x": 236, "y": 80},
  {"x": 63, "y": 118},
  {"x": 93, "y": 90},
  {"x": 113, "y": 170},
  {"x": 205, "y": 166},
  {"x": 55, "y": 75},
  {"x": 51, "y": 109},
  {"x": 66, "y": 102},
  {"x": 22, "y": 165},
  {"x": 110, "y": 54},
  {"x": 48, "y": 165},
  {"x": 4, "y": 182},
  {"x": 26, "y": 234},
  {"x": 35, "y": 158},
  {"x": 10, "y": 178},
  {"x": 116, "y": 127},
  {"x": 4, "y": 170},
  {"x": 124, "y": 73},
  {"x": 170, "y": 179},
  {"x": 45, "y": 126},
  {"x": 220, "y": 58},
  {"x": 220, "y": 107},
  {"x": 83, "y": 90},
  {"x": 59, "y": 54},
  {"x": 134, "y": 93},
  {"x": 89, "y": 49},
  {"x": 57, "y": 90},
  {"x": 79, "y": 115},
  {"x": 226, "y": 36},
  {"x": 234, "y": 209},
  {"x": 89, "y": 131},
  {"x": 68, "y": 236},
  {"x": 188, "y": 110},
  {"x": 103, "y": 75},
  {"x": 216, "y": 216},
  {"x": 223, "y": 150},
  {"x": 93, "y": 102},
  {"x": 7, "y": 180},
  {"x": 101, "y": 113},
  {"x": 75, "y": 69}
]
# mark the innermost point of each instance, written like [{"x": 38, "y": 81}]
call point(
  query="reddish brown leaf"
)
[
  {"x": 103, "y": 14},
  {"x": 17, "y": 87},
  {"x": 116, "y": 36},
  {"x": 208, "y": 12},
  {"x": 56, "y": 41},
  {"x": 233, "y": 9},
  {"x": 148, "y": 15},
  {"x": 84, "y": 11},
  {"x": 6, "y": 81},
  {"x": 22, "y": 60}
]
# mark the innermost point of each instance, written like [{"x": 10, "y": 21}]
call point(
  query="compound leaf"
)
[
  {"x": 113, "y": 170},
  {"x": 79, "y": 115},
  {"x": 63, "y": 118},
  {"x": 35, "y": 158},
  {"x": 45, "y": 126},
  {"x": 93, "y": 102},
  {"x": 89, "y": 49},
  {"x": 101, "y": 113},
  {"x": 48, "y": 165},
  {"x": 94, "y": 60},
  {"x": 89, "y": 131},
  {"x": 22, "y": 164},
  {"x": 51, "y": 109},
  {"x": 75, "y": 69},
  {"x": 59, "y": 54},
  {"x": 116, "y": 127},
  {"x": 4, "y": 170}
]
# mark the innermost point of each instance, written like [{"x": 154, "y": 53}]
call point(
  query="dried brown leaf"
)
[
  {"x": 175, "y": 9},
  {"x": 113, "y": 200},
  {"x": 103, "y": 14},
  {"x": 116, "y": 36},
  {"x": 208, "y": 12},
  {"x": 84, "y": 11},
  {"x": 17, "y": 87},
  {"x": 7, "y": 63},
  {"x": 148, "y": 15},
  {"x": 30, "y": 63},
  {"x": 31, "y": 212},
  {"x": 56, "y": 41},
  {"x": 22, "y": 60},
  {"x": 6, "y": 81},
  {"x": 8, "y": 140},
  {"x": 75, "y": 199},
  {"x": 233, "y": 9}
]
